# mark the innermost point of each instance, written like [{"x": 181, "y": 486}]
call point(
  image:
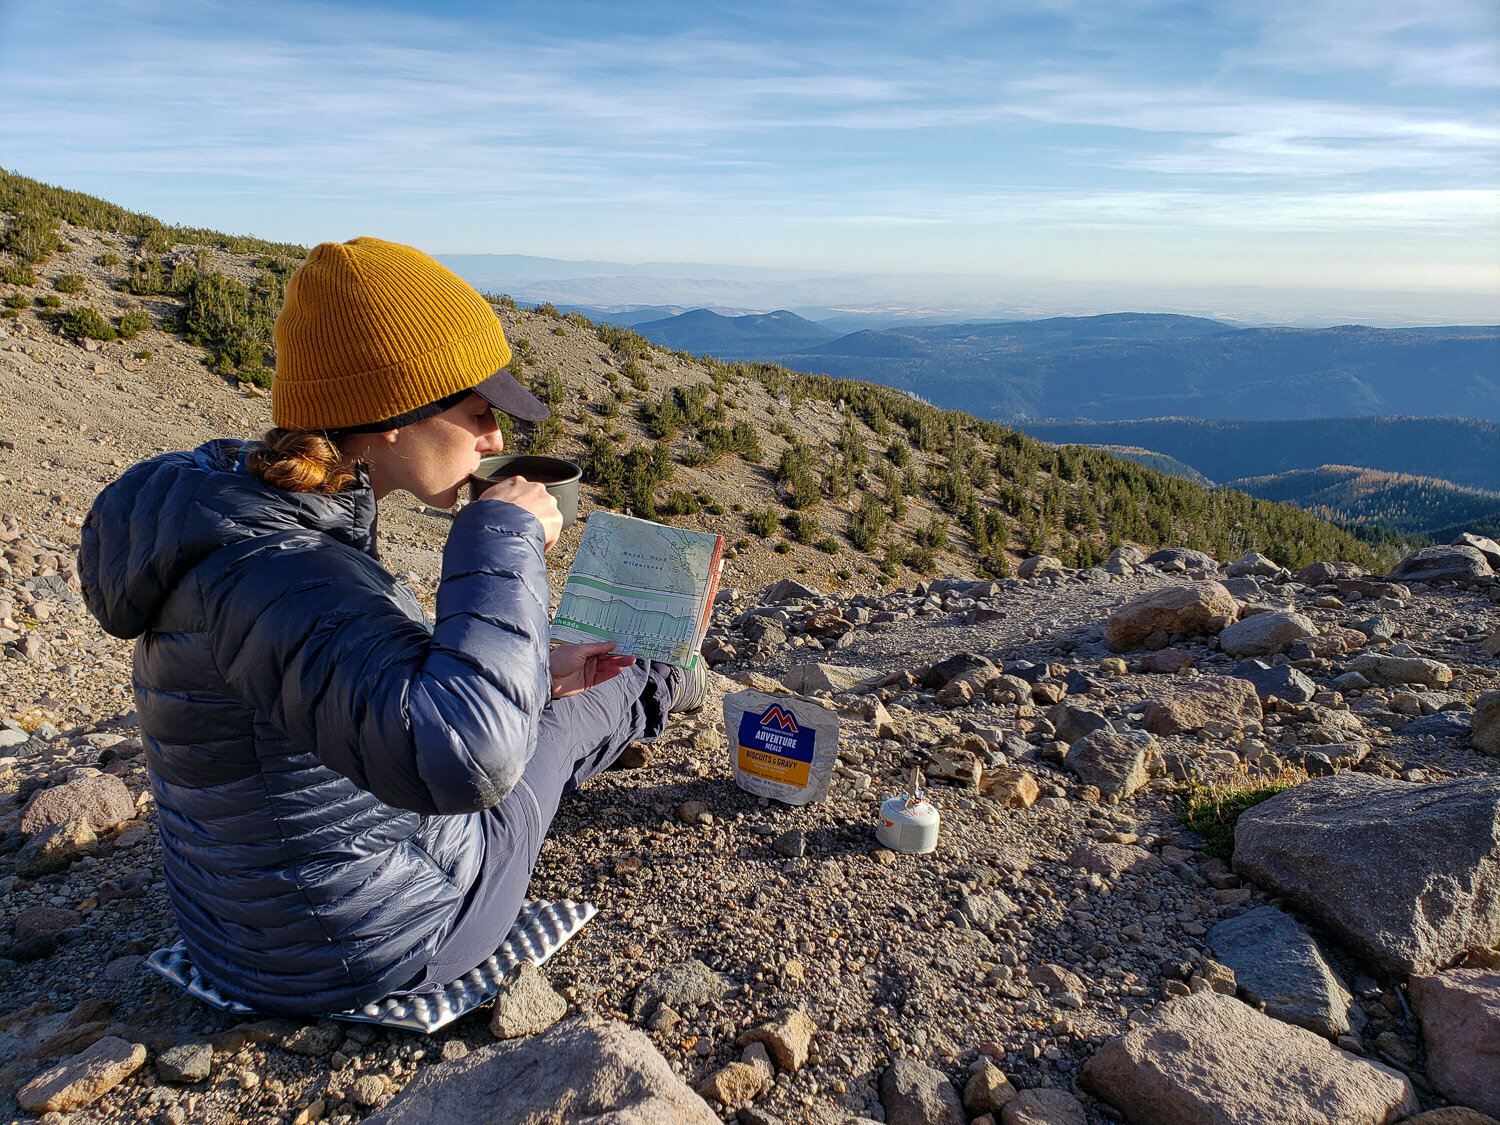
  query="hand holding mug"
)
[{"x": 533, "y": 497}]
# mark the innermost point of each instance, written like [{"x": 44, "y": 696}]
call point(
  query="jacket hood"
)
[{"x": 166, "y": 515}]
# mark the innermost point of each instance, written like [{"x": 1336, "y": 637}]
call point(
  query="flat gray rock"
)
[
  {"x": 687, "y": 984},
  {"x": 916, "y": 1094},
  {"x": 1208, "y": 1059},
  {"x": 805, "y": 678},
  {"x": 1443, "y": 725},
  {"x": 1277, "y": 963},
  {"x": 102, "y": 800},
  {"x": 1117, "y": 764},
  {"x": 1485, "y": 546},
  {"x": 1460, "y": 1014},
  {"x": 578, "y": 1070},
  {"x": 1406, "y": 876},
  {"x": 1263, "y": 634},
  {"x": 1402, "y": 669},
  {"x": 1280, "y": 681}
]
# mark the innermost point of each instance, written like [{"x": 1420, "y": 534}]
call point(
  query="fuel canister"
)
[{"x": 909, "y": 823}]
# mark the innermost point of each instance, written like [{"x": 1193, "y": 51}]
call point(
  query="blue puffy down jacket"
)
[{"x": 312, "y": 738}]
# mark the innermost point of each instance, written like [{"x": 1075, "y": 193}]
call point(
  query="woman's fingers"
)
[{"x": 534, "y": 497}]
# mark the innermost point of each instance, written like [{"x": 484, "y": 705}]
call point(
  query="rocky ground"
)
[{"x": 1039, "y": 966}]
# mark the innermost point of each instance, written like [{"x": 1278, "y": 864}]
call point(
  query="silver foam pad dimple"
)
[{"x": 538, "y": 933}]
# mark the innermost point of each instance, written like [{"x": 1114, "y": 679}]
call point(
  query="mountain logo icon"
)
[{"x": 782, "y": 718}]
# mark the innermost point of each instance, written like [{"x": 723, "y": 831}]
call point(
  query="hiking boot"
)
[{"x": 690, "y": 689}]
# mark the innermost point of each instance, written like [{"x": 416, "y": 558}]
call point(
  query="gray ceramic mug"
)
[{"x": 561, "y": 478}]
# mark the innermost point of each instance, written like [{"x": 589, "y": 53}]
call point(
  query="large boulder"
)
[
  {"x": 1407, "y": 876},
  {"x": 1040, "y": 566},
  {"x": 1485, "y": 546},
  {"x": 1118, "y": 764},
  {"x": 788, "y": 590},
  {"x": 578, "y": 1070},
  {"x": 1460, "y": 1014},
  {"x": 1042, "y": 1105},
  {"x": 1265, "y": 634},
  {"x": 1193, "y": 608},
  {"x": 1208, "y": 1059},
  {"x": 1277, "y": 964},
  {"x": 1442, "y": 564},
  {"x": 1221, "y": 700}
]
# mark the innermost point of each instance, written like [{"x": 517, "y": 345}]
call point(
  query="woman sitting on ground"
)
[{"x": 351, "y": 798}]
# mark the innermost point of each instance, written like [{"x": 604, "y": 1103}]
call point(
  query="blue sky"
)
[{"x": 1141, "y": 152}]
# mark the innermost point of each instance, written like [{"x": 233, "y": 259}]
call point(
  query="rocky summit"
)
[{"x": 1095, "y": 938}]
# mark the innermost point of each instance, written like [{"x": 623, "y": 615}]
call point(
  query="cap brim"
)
[{"x": 502, "y": 392}]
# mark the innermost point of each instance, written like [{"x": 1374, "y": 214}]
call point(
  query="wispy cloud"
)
[{"x": 1288, "y": 116}]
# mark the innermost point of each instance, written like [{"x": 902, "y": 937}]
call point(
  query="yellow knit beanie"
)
[{"x": 371, "y": 330}]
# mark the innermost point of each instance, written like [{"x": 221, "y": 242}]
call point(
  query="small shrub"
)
[
  {"x": 805, "y": 492},
  {"x": 9, "y": 314},
  {"x": 69, "y": 283},
  {"x": 762, "y": 523},
  {"x": 108, "y": 260},
  {"x": 783, "y": 547},
  {"x": 144, "y": 353},
  {"x": 156, "y": 241},
  {"x": 31, "y": 236},
  {"x": 17, "y": 273},
  {"x": 87, "y": 324},
  {"x": 133, "y": 323},
  {"x": 680, "y": 503},
  {"x": 559, "y": 331},
  {"x": 921, "y": 559},
  {"x": 625, "y": 343},
  {"x": 637, "y": 376},
  {"x": 49, "y": 301},
  {"x": 504, "y": 300},
  {"x": 16, "y": 301},
  {"x": 550, "y": 388},
  {"x": 828, "y": 545},
  {"x": 844, "y": 575},
  {"x": 868, "y": 524},
  {"x": 741, "y": 544},
  {"x": 802, "y": 527},
  {"x": 714, "y": 509},
  {"x": 547, "y": 309}
]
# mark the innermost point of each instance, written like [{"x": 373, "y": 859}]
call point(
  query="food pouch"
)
[{"x": 781, "y": 746}]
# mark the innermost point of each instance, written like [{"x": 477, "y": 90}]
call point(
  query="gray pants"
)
[{"x": 580, "y": 736}]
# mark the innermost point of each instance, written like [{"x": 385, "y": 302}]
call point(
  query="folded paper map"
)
[{"x": 646, "y": 586}]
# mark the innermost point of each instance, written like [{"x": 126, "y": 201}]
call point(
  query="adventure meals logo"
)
[
  {"x": 785, "y": 719},
  {"x": 774, "y": 747}
]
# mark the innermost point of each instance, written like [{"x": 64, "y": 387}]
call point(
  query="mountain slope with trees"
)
[{"x": 849, "y": 480}]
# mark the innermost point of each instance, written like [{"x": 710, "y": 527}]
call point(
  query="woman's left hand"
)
[{"x": 577, "y": 668}]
